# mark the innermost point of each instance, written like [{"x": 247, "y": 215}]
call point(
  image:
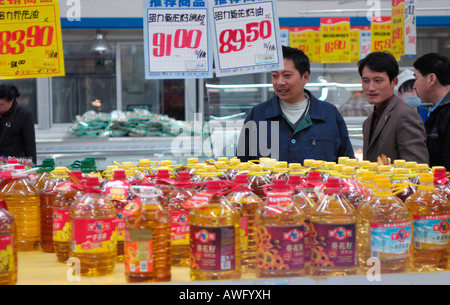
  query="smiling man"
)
[
  {"x": 393, "y": 128},
  {"x": 294, "y": 125}
]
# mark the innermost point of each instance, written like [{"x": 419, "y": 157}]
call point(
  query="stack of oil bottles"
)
[{"x": 225, "y": 218}]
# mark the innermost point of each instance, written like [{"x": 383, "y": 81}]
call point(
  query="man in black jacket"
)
[
  {"x": 432, "y": 72},
  {"x": 17, "y": 135}
]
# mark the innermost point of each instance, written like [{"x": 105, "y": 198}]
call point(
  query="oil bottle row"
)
[{"x": 224, "y": 218}]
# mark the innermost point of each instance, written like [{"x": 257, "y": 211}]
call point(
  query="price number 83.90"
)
[
  {"x": 15, "y": 42},
  {"x": 235, "y": 40}
]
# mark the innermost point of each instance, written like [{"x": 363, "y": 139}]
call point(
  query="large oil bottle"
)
[
  {"x": 215, "y": 236},
  {"x": 8, "y": 253},
  {"x": 147, "y": 238},
  {"x": 333, "y": 236},
  {"x": 94, "y": 235},
  {"x": 280, "y": 232},
  {"x": 431, "y": 222},
  {"x": 384, "y": 232}
]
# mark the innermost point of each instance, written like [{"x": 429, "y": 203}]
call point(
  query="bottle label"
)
[
  {"x": 333, "y": 245},
  {"x": 280, "y": 248},
  {"x": 390, "y": 240},
  {"x": 307, "y": 240},
  {"x": 120, "y": 224},
  {"x": 213, "y": 248},
  {"x": 61, "y": 225},
  {"x": 197, "y": 200},
  {"x": 279, "y": 202},
  {"x": 138, "y": 250},
  {"x": 117, "y": 189},
  {"x": 179, "y": 228},
  {"x": 7, "y": 262},
  {"x": 431, "y": 232},
  {"x": 243, "y": 224},
  {"x": 94, "y": 235}
]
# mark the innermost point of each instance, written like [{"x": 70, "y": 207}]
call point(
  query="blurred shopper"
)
[
  {"x": 17, "y": 135},
  {"x": 405, "y": 91},
  {"x": 432, "y": 72},
  {"x": 294, "y": 125},
  {"x": 393, "y": 129}
]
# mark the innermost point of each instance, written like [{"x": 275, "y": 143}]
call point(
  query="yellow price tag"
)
[
  {"x": 335, "y": 41},
  {"x": 30, "y": 39}
]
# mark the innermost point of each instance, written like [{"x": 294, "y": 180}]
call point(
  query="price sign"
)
[
  {"x": 381, "y": 35},
  {"x": 246, "y": 37},
  {"x": 307, "y": 39},
  {"x": 30, "y": 39},
  {"x": 398, "y": 28},
  {"x": 410, "y": 28},
  {"x": 335, "y": 34},
  {"x": 176, "y": 41}
]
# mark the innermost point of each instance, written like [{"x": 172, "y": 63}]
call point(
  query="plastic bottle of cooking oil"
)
[
  {"x": 384, "y": 227},
  {"x": 246, "y": 202},
  {"x": 306, "y": 205},
  {"x": 333, "y": 224},
  {"x": 258, "y": 179},
  {"x": 222, "y": 167},
  {"x": 164, "y": 182},
  {"x": 441, "y": 181},
  {"x": 94, "y": 235},
  {"x": 179, "y": 207},
  {"x": 23, "y": 203},
  {"x": 208, "y": 173},
  {"x": 43, "y": 173},
  {"x": 117, "y": 190},
  {"x": 191, "y": 166},
  {"x": 280, "y": 233},
  {"x": 400, "y": 181},
  {"x": 215, "y": 236},
  {"x": 147, "y": 238},
  {"x": 65, "y": 197},
  {"x": 48, "y": 195},
  {"x": 352, "y": 190},
  {"x": 8, "y": 253},
  {"x": 431, "y": 222},
  {"x": 280, "y": 171},
  {"x": 233, "y": 167},
  {"x": 313, "y": 181}
]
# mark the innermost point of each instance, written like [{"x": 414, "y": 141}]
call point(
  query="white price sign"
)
[
  {"x": 176, "y": 43},
  {"x": 246, "y": 37}
]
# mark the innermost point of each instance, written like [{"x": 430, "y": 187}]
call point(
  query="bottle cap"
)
[
  {"x": 163, "y": 173},
  {"x": 214, "y": 186},
  {"x": 92, "y": 181},
  {"x": 279, "y": 185},
  {"x": 384, "y": 183},
  {"x": 241, "y": 178},
  {"x": 184, "y": 177},
  {"x": 332, "y": 186},
  {"x": 314, "y": 176},
  {"x": 119, "y": 174},
  {"x": 426, "y": 178},
  {"x": 294, "y": 179}
]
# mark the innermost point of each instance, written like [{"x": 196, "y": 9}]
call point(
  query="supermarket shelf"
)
[{"x": 38, "y": 268}]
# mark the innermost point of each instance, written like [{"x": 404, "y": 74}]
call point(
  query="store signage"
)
[
  {"x": 335, "y": 42},
  {"x": 410, "y": 28},
  {"x": 398, "y": 28},
  {"x": 359, "y": 42},
  {"x": 30, "y": 39},
  {"x": 307, "y": 39},
  {"x": 176, "y": 40},
  {"x": 381, "y": 34},
  {"x": 246, "y": 36}
]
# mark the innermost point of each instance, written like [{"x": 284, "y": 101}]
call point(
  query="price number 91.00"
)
[
  {"x": 16, "y": 41},
  {"x": 182, "y": 39}
]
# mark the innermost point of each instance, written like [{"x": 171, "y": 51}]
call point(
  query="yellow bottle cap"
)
[{"x": 426, "y": 178}]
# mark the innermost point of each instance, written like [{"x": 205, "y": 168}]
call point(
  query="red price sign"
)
[
  {"x": 34, "y": 36},
  {"x": 246, "y": 37},
  {"x": 235, "y": 40},
  {"x": 182, "y": 39},
  {"x": 30, "y": 40}
]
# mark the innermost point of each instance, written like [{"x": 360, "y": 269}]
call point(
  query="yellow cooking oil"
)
[
  {"x": 246, "y": 202},
  {"x": 280, "y": 234},
  {"x": 214, "y": 236},
  {"x": 430, "y": 212},
  {"x": 23, "y": 202},
  {"x": 8, "y": 253},
  {"x": 333, "y": 233},
  {"x": 94, "y": 236},
  {"x": 147, "y": 238},
  {"x": 384, "y": 236}
]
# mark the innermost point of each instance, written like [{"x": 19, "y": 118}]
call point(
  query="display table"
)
[{"x": 38, "y": 268}]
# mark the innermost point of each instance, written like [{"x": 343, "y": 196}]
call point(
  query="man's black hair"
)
[
  {"x": 300, "y": 59},
  {"x": 434, "y": 63},
  {"x": 380, "y": 62}
]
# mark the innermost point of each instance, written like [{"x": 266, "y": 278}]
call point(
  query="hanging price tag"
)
[
  {"x": 176, "y": 40},
  {"x": 381, "y": 34},
  {"x": 410, "y": 28},
  {"x": 398, "y": 28},
  {"x": 246, "y": 37},
  {"x": 335, "y": 40},
  {"x": 30, "y": 39},
  {"x": 307, "y": 39}
]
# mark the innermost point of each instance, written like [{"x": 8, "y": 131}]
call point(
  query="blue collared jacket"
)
[{"x": 321, "y": 135}]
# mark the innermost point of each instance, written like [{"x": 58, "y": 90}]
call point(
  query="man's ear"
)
[{"x": 305, "y": 77}]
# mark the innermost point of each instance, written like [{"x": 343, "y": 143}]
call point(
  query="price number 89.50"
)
[
  {"x": 236, "y": 40},
  {"x": 16, "y": 41}
]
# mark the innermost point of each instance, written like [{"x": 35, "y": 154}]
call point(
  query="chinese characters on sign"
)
[
  {"x": 176, "y": 40},
  {"x": 30, "y": 39}
]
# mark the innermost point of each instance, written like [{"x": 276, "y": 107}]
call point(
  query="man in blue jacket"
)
[{"x": 294, "y": 125}]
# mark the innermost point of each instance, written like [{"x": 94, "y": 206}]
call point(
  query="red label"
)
[
  {"x": 61, "y": 225},
  {"x": 280, "y": 248},
  {"x": 117, "y": 189},
  {"x": 179, "y": 228},
  {"x": 139, "y": 250},
  {"x": 93, "y": 235},
  {"x": 333, "y": 245},
  {"x": 213, "y": 248}
]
